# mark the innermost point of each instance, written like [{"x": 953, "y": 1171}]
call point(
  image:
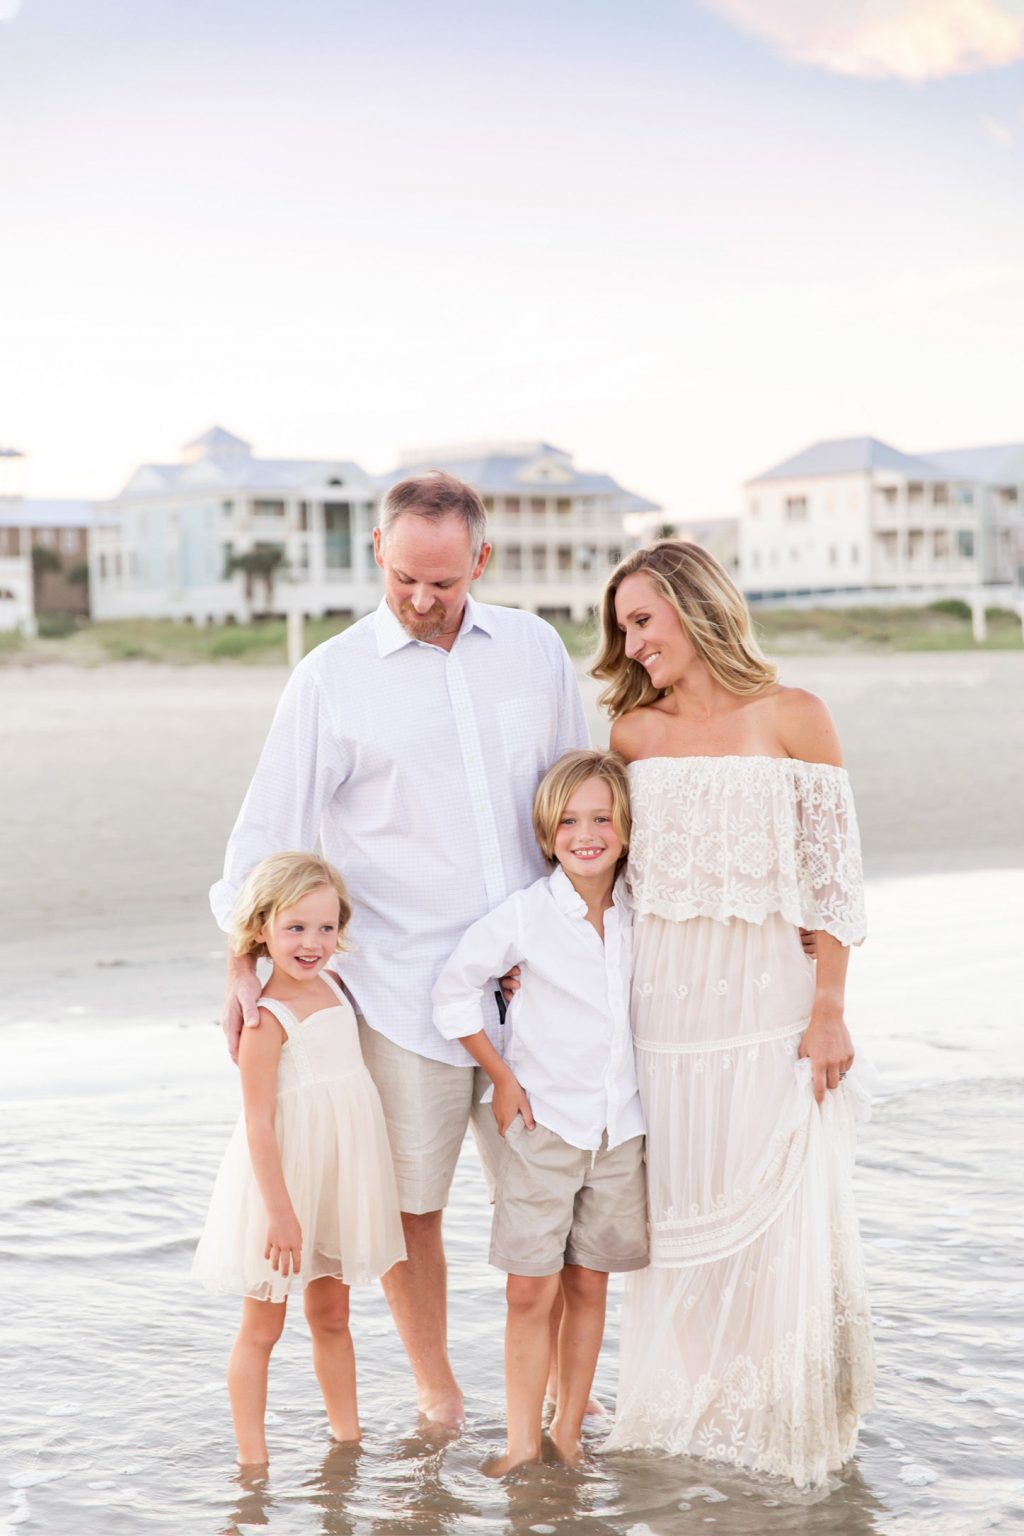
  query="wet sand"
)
[{"x": 118, "y": 788}]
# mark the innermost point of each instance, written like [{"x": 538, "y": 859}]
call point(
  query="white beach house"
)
[
  {"x": 856, "y": 515},
  {"x": 176, "y": 528}
]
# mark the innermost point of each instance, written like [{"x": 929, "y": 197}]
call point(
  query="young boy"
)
[{"x": 570, "y": 1204}]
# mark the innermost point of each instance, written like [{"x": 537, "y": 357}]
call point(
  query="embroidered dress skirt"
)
[{"x": 747, "y": 1340}]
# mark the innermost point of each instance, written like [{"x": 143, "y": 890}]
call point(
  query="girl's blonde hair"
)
[
  {"x": 564, "y": 778},
  {"x": 711, "y": 610},
  {"x": 277, "y": 882}
]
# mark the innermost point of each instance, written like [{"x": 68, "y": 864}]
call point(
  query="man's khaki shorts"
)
[
  {"x": 556, "y": 1205},
  {"x": 428, "y": 1106}
]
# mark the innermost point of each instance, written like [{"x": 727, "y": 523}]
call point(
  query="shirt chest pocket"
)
[{"x": 526, "y": 728}]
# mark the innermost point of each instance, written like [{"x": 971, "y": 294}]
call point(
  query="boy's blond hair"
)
[
  {"x": 564, "y": 778},
  {"x": 280, "y": 881}
]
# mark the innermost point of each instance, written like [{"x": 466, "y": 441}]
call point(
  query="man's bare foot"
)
[
  {"x": 498, "y": 1466},
  {"x": 446, "y": 1412}
]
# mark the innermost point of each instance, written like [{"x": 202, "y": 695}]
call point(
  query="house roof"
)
[
  {"x": 224, "y": 477},
  {"x": 216, "y": 440},
  {"x": 848, "y": 456},
  {"x": 1003, "y": 463},
  {"x": 26, "y": 512},
  {"x": 516, "y": 469}
]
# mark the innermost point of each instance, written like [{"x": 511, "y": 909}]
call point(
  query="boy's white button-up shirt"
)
[
  {"x": 415, "y": 768},
  {"x": 568, "y": 1037}
]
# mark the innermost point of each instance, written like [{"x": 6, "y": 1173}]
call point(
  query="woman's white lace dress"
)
[{"x": 748, "y": 1338}]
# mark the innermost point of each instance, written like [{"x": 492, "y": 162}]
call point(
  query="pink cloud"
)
[{"x": 911, "y": 40}]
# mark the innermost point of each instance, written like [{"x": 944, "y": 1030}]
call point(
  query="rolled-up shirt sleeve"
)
[
  {"x": 485, "y": 952},
  {"x": 301, "y": 768}
]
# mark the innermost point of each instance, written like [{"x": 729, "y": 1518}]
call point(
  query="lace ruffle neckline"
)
[{"x": 746, "y": 836}]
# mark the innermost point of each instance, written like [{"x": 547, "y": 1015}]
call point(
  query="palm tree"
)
[
  {"x": 261, "y": 563},
  {"x": 44, "y": 560}
]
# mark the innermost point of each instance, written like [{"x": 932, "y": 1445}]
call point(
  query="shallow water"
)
[{"x": 116, "y": 1104}]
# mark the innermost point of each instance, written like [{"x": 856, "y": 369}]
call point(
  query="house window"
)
[
  {"x": 227, "y": 507},
  {"x": 888, "y": 494},
  {"x": 564, "y": 557},
  {"x": 513, "y": 558},
  {"x": 964, "y": 496},
  {"x": 563, "y": 505},
  {"x": 539, "y": 558},
  {"x": 940, "y": 495},
  {"x": 512, "y": 506},
  {"x": 965, "y": 543},
  {"x": 915, "y": 492},
  {"x": 338, "y": 535},
  {"x": 268, "y": 508},
  {"x": 303, "y": 516},
  {"x": 537, "y": 506},
  {"x": 854, "y": 554},
  {"x": 69, "y": 541},
  {"x": 796, "y": 509},
  {"x": 45, "y": 536},
  {"x": 614, "y": 555},
  {"x": 940, "y": 544}
]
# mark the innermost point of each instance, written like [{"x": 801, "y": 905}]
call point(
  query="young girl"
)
[
  {"x": 570, "y": 1203},
  {"x": 305, "y": 1199}
]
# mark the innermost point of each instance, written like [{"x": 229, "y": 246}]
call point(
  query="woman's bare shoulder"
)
[
  {"x": 804, "y": 727},
  {"x": 633, "y": 734}
]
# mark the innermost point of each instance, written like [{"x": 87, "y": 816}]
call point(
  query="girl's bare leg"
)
[
  {"x": 527, "y": 1354},
  {"x": 248, "y": 1364},
  {"x": 326, "y": 1304},
  {"x": 579, "y": 1344}
]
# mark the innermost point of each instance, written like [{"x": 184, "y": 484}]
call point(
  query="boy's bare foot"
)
[
  {"x": 446, "y": 1412},
  {"x": 595, "y": 1409},
  {"x": 565, "y": 1443},
  {"x": 498, "y": 1466}
]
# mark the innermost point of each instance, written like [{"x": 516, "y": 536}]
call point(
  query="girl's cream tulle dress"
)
[
  {"x": 748, "y": 1339},
  {"x": 337, "y": 1168}
]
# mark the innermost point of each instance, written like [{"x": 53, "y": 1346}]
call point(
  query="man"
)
[{"x": 411, "y": 746}]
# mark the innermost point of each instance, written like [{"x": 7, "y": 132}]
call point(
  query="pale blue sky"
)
[{"x": 635, "y": 230}]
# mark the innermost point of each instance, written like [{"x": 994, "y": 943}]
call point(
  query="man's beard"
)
[{"x": 422, "y": 626}]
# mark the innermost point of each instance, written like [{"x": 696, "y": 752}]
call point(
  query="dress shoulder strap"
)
[
  {"x": 341, "y": 991},
  {"x": 282, "y": 1013}
]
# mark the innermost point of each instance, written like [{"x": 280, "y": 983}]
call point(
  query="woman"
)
[{"x": 748, "y": 1338}]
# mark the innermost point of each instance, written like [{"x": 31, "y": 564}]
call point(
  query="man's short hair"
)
[{"x": 436, "y": 495}]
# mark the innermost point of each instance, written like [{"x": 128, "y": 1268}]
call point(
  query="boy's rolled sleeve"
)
[{"x": 485, "y": 951}]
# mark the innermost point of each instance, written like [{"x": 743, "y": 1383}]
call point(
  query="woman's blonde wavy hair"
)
[
  {"x": 711, "y": 610},
  {"x": 277, "y": 882}
]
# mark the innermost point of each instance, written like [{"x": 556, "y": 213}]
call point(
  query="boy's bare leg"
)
[
  {"x": 579, "y": 1344},
  {"x": 527, "y": 1353},
  {"x": 248, "y": 1366},
  {"x": 594, "y": 1407},
  {"x": 417, "y": 1293}
]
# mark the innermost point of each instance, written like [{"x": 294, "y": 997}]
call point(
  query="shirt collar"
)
[
  {"x": 568, "y": 899},
  {"x": 392, "y": 637}
]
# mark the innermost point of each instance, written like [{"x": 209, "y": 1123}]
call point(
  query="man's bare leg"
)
[{"x": 417, "y": 1293}]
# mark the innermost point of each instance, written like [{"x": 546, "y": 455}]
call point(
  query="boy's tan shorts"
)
[{"x": 556, "y": 1205}]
